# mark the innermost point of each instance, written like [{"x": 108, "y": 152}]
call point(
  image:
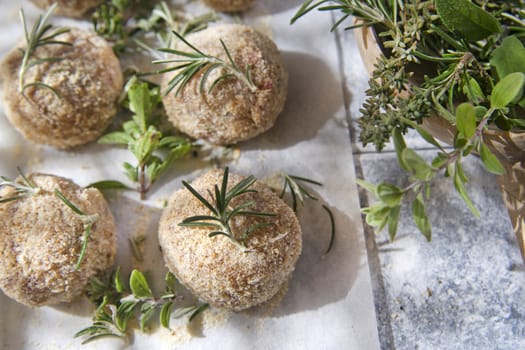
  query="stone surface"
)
[{"x": 466, "y": 288}]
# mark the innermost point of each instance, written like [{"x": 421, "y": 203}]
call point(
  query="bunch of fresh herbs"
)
[
  {"x": 154, "y": 151},
  {"x": 118, "y": 304},
  {"x": 459, "y": 59}
]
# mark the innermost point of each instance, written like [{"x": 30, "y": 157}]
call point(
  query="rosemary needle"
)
[{"x": 39, "y": 36}]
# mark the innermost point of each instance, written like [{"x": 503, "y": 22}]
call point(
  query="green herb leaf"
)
[
  {"x": 390, "y": 195},
  {"x": 509, "y": 57},
  {"x": 508, "y": 90},
  {"x": 466, "y": 119},
  {"x": 108, "y": 185},
  {"x": 400, "y": 146},
  {"x": 139, "y": 285},
  {"x": 377, "y": 215},
  {"x": 490, "y": 161},
  {"x": 165, "y": 315},
  {"x": 460, "y": 188},
  {"x": 417, "y": 165},
  {"x": 370, "y": 187},
  {"x": 467, "y": 19},
  {"x": 116, "y": 138},
  {"x": 420, "y": 216},
  {"x": 393, "y": 221}
]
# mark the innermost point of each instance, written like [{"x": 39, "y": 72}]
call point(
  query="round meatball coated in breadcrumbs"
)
[
  {"x": 217, "y": 270},
  {"x": 231, "y": 111},
  {"x": 41, "y": 239},
  {"x": 87, "y": 80},
  {"x": 70, "y": 8},
  {"x": 229, "y": 5}
]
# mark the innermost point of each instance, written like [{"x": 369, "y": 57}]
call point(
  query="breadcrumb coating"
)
[
  {"x": 41, "y": 239},
  {"x": 229, "y": 5},
  {"x": 231, "y": 112},
  {"x": 217, "y": 270},
  {"x": 69, "y": 8},
  {"x": 88, "y": 79}
]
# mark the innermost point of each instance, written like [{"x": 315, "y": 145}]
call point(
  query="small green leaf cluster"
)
[
  {"x": 153, "y": 150},
  {"x": 188, "y": 64},
  {"x": 117, "y": 304},
  {"x": 223, "y": 212},
  {"x": 125, "y": 22}
]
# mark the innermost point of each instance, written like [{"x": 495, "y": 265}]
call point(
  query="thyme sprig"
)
[
  {"x": 88, "y": 220},
  {"x": 154, "y": 151},
  {"x": 40, "y": 35},
  {"x": 117, "y": 304},
  {"x": 222, "y": 211},
  {"x": 190, "y": 63}
]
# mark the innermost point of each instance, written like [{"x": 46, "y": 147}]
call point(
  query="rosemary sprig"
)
[
  {"x": 117, "y": 304},
  {"x": 189, "y": 64},
  {"x": 88, "y": 220},
  {"x": 25, "y": 189},
  {"x": 222, "y": 212},
  {"x": 40, "y": 35},
  {"x": 154, "y": 151},
  {"x": 298, "y": 193}
]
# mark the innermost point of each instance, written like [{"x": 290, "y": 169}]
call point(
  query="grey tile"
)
[{"x": 466, "y": 288}]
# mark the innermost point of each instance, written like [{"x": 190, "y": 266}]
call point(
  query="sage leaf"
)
[
  {"x": 165, "y": 314},
  {"x": 400, "y": 146},
  {"x": 509, "y": 57},
  {"x": 507, "y": 90},
  {"x": 367, "y": 186},
  {"x": 393, "y": 221},
  {"x": 460, "y": 188},
  {"x": 427, "y": 137},
  {"x": 139, "y": 285},
  {"x": 146, "y": 312},
  {"x": 420, "y": 216},
  {"x": 466, "y": 119},
  {"x": 417, "y": 165},
  {"x": 116, "y": 138},
  {"x": 108, "y": 185},
  {"x": 390, "y": 195},
  {"x": 490, "y": 161},
  {"x": 467, "y": 19}
]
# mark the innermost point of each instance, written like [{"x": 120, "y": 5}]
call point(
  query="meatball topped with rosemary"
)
[
  {"x": 237, "y": 263},
  {"x": 70, "y": 96},
  {"x": 44, "y": 256},
  {"x": 225, "y": 103},
  {"x": 229, "y": 5},
  {"x": 69, "y": 8}
]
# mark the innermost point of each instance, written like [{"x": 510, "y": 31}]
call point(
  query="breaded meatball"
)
[
  {"x": 217, "y": 270},
  {"x": 231, "y": 112},
  {"x": 41, "y": 239},
  {"x": 70, "y": 8},
  {"x": 229, "y": 5},
  {"x": 87, "y": 78}
]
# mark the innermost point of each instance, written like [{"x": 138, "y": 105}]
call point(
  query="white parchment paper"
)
[{"x": 329, "y": 301}]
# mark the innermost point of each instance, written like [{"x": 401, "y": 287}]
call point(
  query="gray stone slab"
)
[{"x": 466, "y": 288}]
